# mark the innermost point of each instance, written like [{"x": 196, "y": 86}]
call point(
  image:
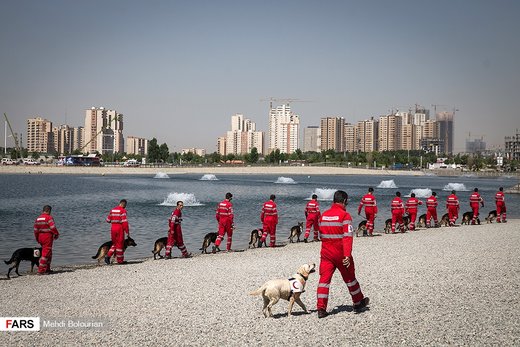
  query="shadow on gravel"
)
[{"x": 297, "y": 313}]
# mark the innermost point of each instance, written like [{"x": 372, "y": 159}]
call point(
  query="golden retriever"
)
[{"x": 287, "y": 289}]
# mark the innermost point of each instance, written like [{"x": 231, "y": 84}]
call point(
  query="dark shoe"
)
[
  {"x": 305, "y": 240},
  {"x": 364, "y": 303},
  {"x": 322, "y": 314},
  {"x": 107, "y": 260},
  {"x": 49, "y": 272},
  {"x": 188, "y": 255},
  {"x": 124, "y": 262},
  {"x": 316, "y": 240}
]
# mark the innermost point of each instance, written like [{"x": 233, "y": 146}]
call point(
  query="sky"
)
[{"x": 178, "y": 70}]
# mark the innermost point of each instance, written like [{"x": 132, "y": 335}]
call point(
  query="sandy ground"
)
[
  {"x": 446, "y": 286},
  {"x": 240, "y": 170}
]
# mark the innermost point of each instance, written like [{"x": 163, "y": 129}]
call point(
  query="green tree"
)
[
  {"x": 154, "y": 154},
  {"x": 253, "y": 156},
  {"x": 164, "y": 152}
]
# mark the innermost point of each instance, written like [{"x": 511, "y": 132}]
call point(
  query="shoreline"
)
[{"x": 427, "y": 287}]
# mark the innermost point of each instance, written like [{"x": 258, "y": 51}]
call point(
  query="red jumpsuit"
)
[
  {"x": 312, "y": 216},
  {"x": 269, "y": 218},
  {"x": 119, "y": 227},
  {"x": 431, "y": 210},
  {"x": 500, "y": 201},
  {"x": 475, "y": 200},
  {"x": 336, "y": 236},
  {"x": 452, "y": 204},
  {"x": 370, "y": 211},
  {"x": 411, "y": 208},
  {"x": 45, "y": 233},
  {"x": 175, "y": 234},
  {"x": 397, "y": 213},
  {"x": 224, "y": 216}
]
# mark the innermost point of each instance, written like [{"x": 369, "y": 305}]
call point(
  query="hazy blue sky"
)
[{"x": 178, "y": 70}]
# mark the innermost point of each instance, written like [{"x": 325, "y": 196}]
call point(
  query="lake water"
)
[{"x": 81, "y": 204}]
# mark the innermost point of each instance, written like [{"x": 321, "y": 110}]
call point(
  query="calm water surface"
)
[{"x": 81, "y": 204}]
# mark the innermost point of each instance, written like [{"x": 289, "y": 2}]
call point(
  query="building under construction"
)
[{"x": 512, "y": 146}]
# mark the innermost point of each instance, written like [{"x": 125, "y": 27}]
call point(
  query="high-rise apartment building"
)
[
  {"x": 221, "y": 145},
  {"x": 136, "y": 145},
  {"x": 512, "y": 146},
  {"x": 311, "y": 139},
  {"x": 367, "y": 135},
  {"x": 103, "y": 131},
  {"x": 62, "y": 137},
  {"x": 78, "y": 136},
  {"x": 39, "y": 135},
  {"x": 332, "y": 131},
  {"x": 446, "y": 130},
  {"x": 350, "y": 137},
  {"x": 242, "y": 137},
  {"x": 389, "y": 132},
  {"x": 284, "y": 129}
]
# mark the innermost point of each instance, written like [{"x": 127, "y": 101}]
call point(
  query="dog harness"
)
[{"x": 296, "y": 286}]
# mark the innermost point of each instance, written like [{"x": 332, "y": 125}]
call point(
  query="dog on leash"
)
[
  {"x": 467, "y": 217},
  {"x": 29, "y": 254},
  {"x": 362, "y": 227},
  {"x": 208, "y": 240},
  {"x": 445, "y": 220},
  {"x": 288, "y": 289},
  {"x": 158, "y": 246},
  {"x": 492, "y": 215},
  {"x": 404, "y": 227},
  {"x": 256, "y": 235},
  {"x": 104, "y": 248},
  {"x": 296, "y": 231},
  {"x": 421, "y": 222}
]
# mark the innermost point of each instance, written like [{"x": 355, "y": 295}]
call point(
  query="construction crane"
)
[
  {"x": 435, "y": 108},
  {"x": 282, "y": 100},
  {"x": 103, "y": 128},
  {"x": 16, "y": 146}
]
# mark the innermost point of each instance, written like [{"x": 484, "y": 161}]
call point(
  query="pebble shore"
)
[{"x": 445, "y": 286}]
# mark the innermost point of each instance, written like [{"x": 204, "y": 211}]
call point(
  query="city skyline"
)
[{"x": 179, "y": 70}]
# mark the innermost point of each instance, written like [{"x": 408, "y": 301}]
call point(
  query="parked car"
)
[
  {"x": 30, "y": 161},
  {"x": 131, "y": 163},
  {"x": 8, "y": 161}
]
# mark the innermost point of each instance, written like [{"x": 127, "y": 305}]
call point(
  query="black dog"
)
[
  {"x": 256, "y": 235},
  {"x": 158, "y": 246},
  {"x": 467, "y": 217},
  {"x": 104, "y": 248},
  {"x": 296, "y": 231},
  {"x": 208, "y": 240},
  {"x": 362, "y": 227},
  {"x": 23, "y": 254},
  {"x": 404, "y": 227},
  {"x": 492, "y": 215}
]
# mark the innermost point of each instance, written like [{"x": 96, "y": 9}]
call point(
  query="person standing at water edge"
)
[
  {"x": 500, "y": 201},
  {"x": 269, "y": 218},
  {"x": 312, "y": 217},
  {"x": 369, "y": 201},
  {"x": 119, "y": 227},
  {"x": 175, "y": 232},
  {"x": 411, "y": 207},
  {"x": 397, "y": 212},
  {"x": 453, "y": 206},
  {"x": 225, "y": 216},
  {"x": 431, "y": 210},
  {"x": 475, "y": 201},
  {"x": 45, "y": 233},
  {"x": 336, "y": 253}
]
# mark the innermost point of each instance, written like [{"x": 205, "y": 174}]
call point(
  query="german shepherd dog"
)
[
  {"x": 445, "y": 220},
  {"x": 388, "y": 225},
  {"x": 421, "y": 222},
  {"x": 296, "y": 231},
  {"x": 467, "y": 217},
  {"x": 208, "y": 240},
  {"x": 362, "y": 227},
  {"x": 256, "y": 235},
  {"x": 23, "y": 254},
  {"x": 104, "y": 248},
  {"x": 158, "y": 246},
  {"x": 492, "y": 215}
]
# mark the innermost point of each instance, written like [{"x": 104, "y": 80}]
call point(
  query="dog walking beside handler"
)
[
  {"x": 119, "y": 227},
  {"x": 225, "y": 217},
  {"x": 475, "y": 201},
  {"x": 500, "y": 201},
  {"x": 369, "y": 201},
  {"x": 269, "y": 218},
  {"x": 45, "y": 233},
  {"x": 336, "y": 253},
  {"x": 175, "y": 233},
  {"x": 312, "y": 217},
  {"x": 453, "y": 207}
]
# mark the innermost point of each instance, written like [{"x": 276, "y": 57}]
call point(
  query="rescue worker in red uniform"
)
[
  {"x": 119, "y": 227},
  {"x": 45, "y": 233},
  {"x": 431, "y": 210},
  {"x": 411, "y": 207},
  {"x": 269, "y": 218},
  {"x": 452, "y": 205},
  {"x": 336, "y": 253},
  {"x": 224, "y": 216},
  {"x": 475, "y": 201},
  {"x": 397, "y": 208},
  {"x": 500, "y": 201},
  {"x": 175, "y": 233},
  {"x": 312, "y": 217},
  {"x": 369, "y": 201}
]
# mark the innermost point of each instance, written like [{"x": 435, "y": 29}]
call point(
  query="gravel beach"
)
[{"x": 446, "y": 286}]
